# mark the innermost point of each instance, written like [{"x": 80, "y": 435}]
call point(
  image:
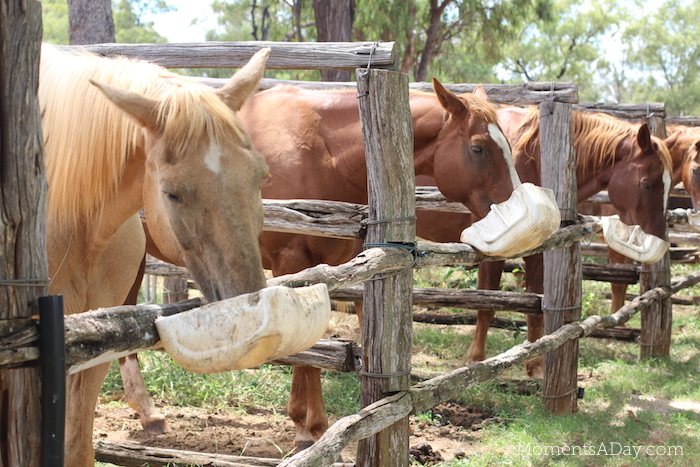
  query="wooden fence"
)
[{"x": 381, "y": 413}]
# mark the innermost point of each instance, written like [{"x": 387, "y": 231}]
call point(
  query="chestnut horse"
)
[
  {"x": 312, "y": 141},
  {"x": 634, "y": 167},
  {"x": 142, "y": 137},
  {"x": 684, "y": 146}
]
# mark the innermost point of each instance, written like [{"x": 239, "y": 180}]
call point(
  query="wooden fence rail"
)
[
  {"x": 425, "y": 395},
  {"x": 284, "y": 55},
  {"x": 99, "y": 335},
  {"x": 103, "y": 335}
]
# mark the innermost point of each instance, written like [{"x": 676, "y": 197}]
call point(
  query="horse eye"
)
[
  {"x": 646, "y": 186},
  {"x": 477, "y": 150},
  {"x": 173, "y": 198}
]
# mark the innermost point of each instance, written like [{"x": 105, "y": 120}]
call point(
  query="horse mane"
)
[
  {"x": 483, "y": 109},
  {"x": 596, "y": 138},
  {"x": 88, "y": 140}
]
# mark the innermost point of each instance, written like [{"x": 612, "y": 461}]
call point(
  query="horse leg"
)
[
  {"x": 534, "y": 283},
  {"x": 306, "y": 407},
  {"x": 135, "y": 391},
  {"x": 136, "y": 396},
  {"x": 489, "y": 278},
  {"x": 82, "y": 391},
  {"x": 619, "y": 291}
]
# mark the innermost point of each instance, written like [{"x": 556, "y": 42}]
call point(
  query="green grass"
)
[{"x": 526, "y": 435}]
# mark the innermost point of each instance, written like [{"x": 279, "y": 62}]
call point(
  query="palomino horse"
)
[
  {"x": 312, "y": 141},
  {"x": 170, "y": 145},
  {"x": 634, "y": 166}
]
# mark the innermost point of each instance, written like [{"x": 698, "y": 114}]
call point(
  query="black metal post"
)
[{"x": 52, "y": 348}]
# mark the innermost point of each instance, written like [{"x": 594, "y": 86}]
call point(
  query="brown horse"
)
[
  {"x": 140, "y": 136},
  {"x": 632, "y": 165},
  {"x": 684, "y": 146},
  {"x": 313, "y": 144},
  {"x": 312, "y": 141}
]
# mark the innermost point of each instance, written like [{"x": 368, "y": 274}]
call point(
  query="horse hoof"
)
[
  {"x": 155, "y": 427},
  {"x": 301, "y": 445}
]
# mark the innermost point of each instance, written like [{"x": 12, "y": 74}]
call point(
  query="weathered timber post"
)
[
  {"x": 655, "y": 340},
  {"x": 387, "y": 313},
  {"x": 561, "y": 303},
  {"x": 176, "y": 289},
  {"x": 23, "y": 264}
]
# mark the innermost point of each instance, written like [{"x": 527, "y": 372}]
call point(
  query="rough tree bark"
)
[
  {"x": 23, "y": 264},
  {"x": 90, "y": 22},
  {"x": 334, "y": 24}
]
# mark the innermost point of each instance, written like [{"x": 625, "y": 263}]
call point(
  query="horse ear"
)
[
  {"x": 448, "y": 99},
  {"x": 644, "y": 137},
  {"x": 480, "y": 92},
  {"x": 142, "y": 109},
  {"x": 245, "y": 81}
]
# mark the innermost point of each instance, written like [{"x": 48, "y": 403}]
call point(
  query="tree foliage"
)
[
  {"x": 568, "y": 48},
  {"x": 129, "y": 26},
  {"x": 127, "y": 20},
  {"x": 665, "y": 46},
  {"x": 55, "y": 18},
  {"x": 630, "y": 51},
  {"x": 433, "y": 34}
]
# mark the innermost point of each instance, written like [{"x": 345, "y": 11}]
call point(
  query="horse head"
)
[
  {"x": 684, "y": 146},
  {"x": 640, "y": 183},
  {"x": 691, "y": 172},
  {"x": 202, "y": 179},
  {"x": 473, "y": 162}
]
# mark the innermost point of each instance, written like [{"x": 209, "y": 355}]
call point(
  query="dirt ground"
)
[
  {"x": 262, "y": 434},
  {"x": 272, "y": 435},
  {"x": 455, "y": 433}
]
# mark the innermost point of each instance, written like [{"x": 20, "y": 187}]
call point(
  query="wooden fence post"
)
[
  {"x": 23, "y": 191},
  {"x": 387, "y": 328},
  {"x": 561, "y": 303},
  {"x": 655, "y": 340}
]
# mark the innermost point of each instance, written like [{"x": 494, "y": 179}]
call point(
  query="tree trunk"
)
[
  {"x": 410, "y": 51},
  {"x": 432, "y": 40},
  {"x": 334, "y": 24},
  {"x": 23, "y": 264},
  {"x": 90, "y": 22}
]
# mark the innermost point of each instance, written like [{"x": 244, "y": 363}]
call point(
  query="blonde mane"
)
[
  {"x": 88, "y": 140},
  {"x": 482, "y": 109},
  {"x": 596, "y": 138}
]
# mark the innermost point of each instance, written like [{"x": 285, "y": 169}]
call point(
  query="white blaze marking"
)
[
  {"x": 500, "y": 139},
  {"x": 213, "y": 159},
  {"x": 667, "y": 187}
]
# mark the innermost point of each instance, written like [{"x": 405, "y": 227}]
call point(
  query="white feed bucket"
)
[
  {"x": 520, "y": 223},
  {"x": 247, "y": 330},
  {"x": 694, "y": 219},
  {"x": 632, "y": 241}
]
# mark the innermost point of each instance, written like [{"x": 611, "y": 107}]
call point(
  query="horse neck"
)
[
  {"x": 126, "y": 202},
  {"x": 76, "y": 252},
  {"x": 428, "y": 121},
  {"x": 679, "y": 155}
]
